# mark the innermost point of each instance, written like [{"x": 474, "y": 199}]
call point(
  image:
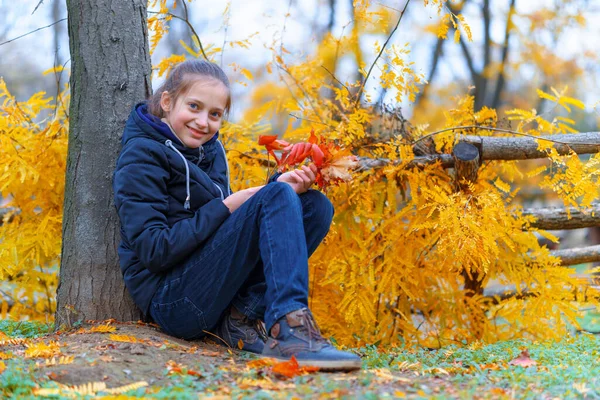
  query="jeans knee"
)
[
  {"x": 320, "y": 206},
  {"x": 281, "y": 191}
]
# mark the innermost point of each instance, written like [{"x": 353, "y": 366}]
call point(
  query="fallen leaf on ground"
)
[
  {"x": 261, "y": 362},
  {"x": 523, "y": 360},
  {"x": 2, "y": 366},
  {"x": 42, "y": 349},
  {"x": 125, "y": 338},
  {"x": 291, "y": 368},
  {"x": 176, "y": 368},
  {"x": 54, "y": 361},
  {"x": 492, "y": 366}
]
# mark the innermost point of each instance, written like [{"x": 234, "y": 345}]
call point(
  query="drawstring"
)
[
  {"x": 186, "y": 205},
  {"x": 227, "y": 165}
]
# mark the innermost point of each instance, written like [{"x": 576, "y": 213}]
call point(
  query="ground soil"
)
[{"x": 98, "y": 358}]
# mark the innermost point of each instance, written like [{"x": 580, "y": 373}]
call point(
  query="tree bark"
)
[
  {"x": 466, "y": 164},
  {"x": 501, "y": 148},
  {"x": 525, "y": 148},
  {"x": 110, "y": 72},
  {"x": 578, "y": 255},
  {"x": 557, "y": 218}
]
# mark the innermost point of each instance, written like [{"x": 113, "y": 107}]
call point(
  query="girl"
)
[{"x": 197, "y": 258}]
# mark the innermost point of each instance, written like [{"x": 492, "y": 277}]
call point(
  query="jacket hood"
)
[{"x": 143, "y": 124}]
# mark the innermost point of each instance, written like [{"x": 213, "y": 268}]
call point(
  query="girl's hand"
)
[
  {"x": 234, "y": 201},
  {"x": 300, "y": 179}
]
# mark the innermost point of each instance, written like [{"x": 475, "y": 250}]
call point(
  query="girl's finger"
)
[{"x": 309, "y": 173}]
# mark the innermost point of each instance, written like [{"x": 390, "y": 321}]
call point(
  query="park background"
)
[{"x": 417, "y": 250}]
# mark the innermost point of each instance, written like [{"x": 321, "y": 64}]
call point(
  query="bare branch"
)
[
  {"x": 364, "y": 82},
  {"x": 500, "y": 80},
  {"x": 578, "y": 255},
  {"x": 189, "y": 26},
  {"x": 558, "y": 218},
  {"x": 33, "y": 31}
]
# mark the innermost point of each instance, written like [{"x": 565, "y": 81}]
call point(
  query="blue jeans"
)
[{"x": 257, "y": 261}]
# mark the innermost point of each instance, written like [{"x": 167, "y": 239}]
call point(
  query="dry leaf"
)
[
  {"x": 125, "y": 338},
  {"x": 102, "y": 329},
  {"x": 261, "y": 362},
  {"x": 176, "y": 368},
  {"x": 2, "y": 366},
  {"x": 54, "y": 361},
  {"x": 42, "y": 349},
  {"x": 240, "y": 344},
  {"x": 523, "y": 360},
  {"x": 291, "y": 368},
  {"x": 4, "y": 356},
  {"x": 14, "y": 342}
]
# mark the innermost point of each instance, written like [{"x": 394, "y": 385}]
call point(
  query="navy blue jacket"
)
[{"x": 169, "y": 199}]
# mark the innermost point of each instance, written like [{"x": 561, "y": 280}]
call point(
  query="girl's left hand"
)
[{"x": 300, "y": 179}]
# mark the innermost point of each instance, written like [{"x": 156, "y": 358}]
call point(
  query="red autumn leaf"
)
[
  {"x": 176, "y": 368},
  {"x": 291, "y": 368},
  {"x": 523, "y": 360},
  {"x": 333, "y": 164},
  {"x": 266, "y": 139}
]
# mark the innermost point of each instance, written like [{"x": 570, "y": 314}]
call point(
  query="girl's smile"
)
[{"x": 196, "y": 116}]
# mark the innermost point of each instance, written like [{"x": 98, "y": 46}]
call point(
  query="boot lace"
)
[
  {"x": 309, "y": 323},
  {"x": 259, "y": 327}
]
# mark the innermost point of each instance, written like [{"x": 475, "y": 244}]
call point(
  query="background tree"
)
[{"x": 110, "y": 71}]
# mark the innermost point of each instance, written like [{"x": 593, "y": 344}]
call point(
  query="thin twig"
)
[
  {"x": 33, "y": 31},
  {"x": 310, "y": 120},
  {"x": 491, "y": 128},
  {"x": 36, "y": 7},
  {"x": 189, "y": 26},
  {"x": 362, "y": 86},
  {"x": 310, "y": 101},
  {"x": 336, "y": 79},
  {"x": 225, "y": 31},
  {"x": 261, "y": 161}
]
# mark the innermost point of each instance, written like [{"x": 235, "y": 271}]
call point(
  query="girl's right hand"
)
[{"x": 234, "y": 201}]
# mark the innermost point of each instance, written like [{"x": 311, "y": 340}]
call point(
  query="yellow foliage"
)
[
  {"x": 124, "y": 338},
  {"x": 406, "y": 240},
  {"x": 32, "y": 187},
  {"x": 42, "y": 349}
]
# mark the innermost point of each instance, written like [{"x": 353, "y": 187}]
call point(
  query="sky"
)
[{"x": 35, "y": 52}]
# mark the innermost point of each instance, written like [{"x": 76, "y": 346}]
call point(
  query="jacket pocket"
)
[{"x": 180, "y": 318}]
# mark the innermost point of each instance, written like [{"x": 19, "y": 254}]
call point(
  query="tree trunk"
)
[{"x": 110, "y": 71}]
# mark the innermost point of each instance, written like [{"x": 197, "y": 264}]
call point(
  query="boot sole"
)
[{"x": 325, "y": 365}]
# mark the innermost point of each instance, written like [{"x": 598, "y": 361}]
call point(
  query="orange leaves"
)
[
  {"x": 282, "y": 369},
  {"x": 333, "y": 164},
  {"x": 180, "y": 369}
]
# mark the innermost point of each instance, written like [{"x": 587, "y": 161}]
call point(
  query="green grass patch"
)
[{"x": 25, "y": 329}]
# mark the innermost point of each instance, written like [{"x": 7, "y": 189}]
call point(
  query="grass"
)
[{"x": 569, "y": 368}]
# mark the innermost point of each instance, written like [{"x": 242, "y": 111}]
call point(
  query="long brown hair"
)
[{"x": 182, "y": 77}]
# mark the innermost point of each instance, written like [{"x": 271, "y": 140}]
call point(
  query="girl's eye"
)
[
  {"x": 216, "y": 114},
  {"x": 193, "y": 106}
]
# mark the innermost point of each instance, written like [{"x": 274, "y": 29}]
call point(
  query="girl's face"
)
[{"x": 196, "y": 115}]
